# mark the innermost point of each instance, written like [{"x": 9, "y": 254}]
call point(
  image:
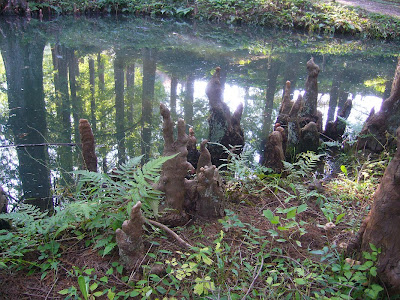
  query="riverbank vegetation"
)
[
  {"x": 326, "y": 17},
  {"x": 282, "y": 237}
]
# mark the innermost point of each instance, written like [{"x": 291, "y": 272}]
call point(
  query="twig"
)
[
  {"x": 325, "y": 136},
  {"x": 137, "y": 267},
  {"x": 33, "y": 295},
  {"x": 254, "y": 279},
  {"x": 170, "y": 232},
  {"x": 276, "y": 196},
  {"x": 47, "y": 296},
  {"x": 41, "y": 144}
]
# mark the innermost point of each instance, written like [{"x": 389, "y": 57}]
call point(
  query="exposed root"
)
[{"x": 170, "y": 232}]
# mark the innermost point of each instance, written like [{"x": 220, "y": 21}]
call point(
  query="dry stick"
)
[
  {"x": 137, "y": 266},
  {"x": 41, "y": 144},
  {"x": 47, "y": 296},
  {"x": 254, "y": 279},
  {"x": 170, "y": 232}
]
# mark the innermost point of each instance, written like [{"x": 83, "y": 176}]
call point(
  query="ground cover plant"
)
[
  {"x": 283, "y": 236},
  {"x": 325, "y": 17}
]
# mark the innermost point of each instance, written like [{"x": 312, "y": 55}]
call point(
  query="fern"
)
[
  {"x": 304, "y": 166},
  {"x": 130, "y": 184},
  {"x": 238, "y": 166},
  {"x": 99, "y": 206},
  {"x": 296, "y": 172}
]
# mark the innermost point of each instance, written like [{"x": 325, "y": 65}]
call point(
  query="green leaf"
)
[
  {"x": 110, "y": 294},
  {"x": 301, "y": 208},
  {"x": 43, "y": 275},
  {"x": 88, "y": 271},
  {"x": 206, "y": 259},
  {"x": 268, "y": 214},
  {"x": 64, "y": 292},
  {"x": 108, "y": 248},
  {"x": 93, "y": 286},
  {"x": 161, "y": 290},
  {"x": 110, "y": 271},
  {"x": 83, "y": 287},
  {"x": 372, "y": 246},
  {"x": 339, "y": 217},
  {"x": 273, "y": 233},
  {"x": 343, "y": 169},
  {"x": 198, "y": 288},
  {"x": 120, "y": 268},
  {"x": 300, "y": 281},
  {"x": 134, "y": 293},
  {"x": 291, "y": 213}
]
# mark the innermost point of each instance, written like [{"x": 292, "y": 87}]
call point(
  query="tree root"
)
[{"x": 170, "y": 232}]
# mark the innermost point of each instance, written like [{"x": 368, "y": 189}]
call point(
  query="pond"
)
[{"x": 115, "y": 72}]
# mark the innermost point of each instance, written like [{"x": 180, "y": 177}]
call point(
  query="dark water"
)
[{"x": 115, "y": 72}]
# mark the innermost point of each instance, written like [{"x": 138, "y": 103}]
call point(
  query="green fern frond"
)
[
  {"x": 304, "y": 166},
  {"x": 153, "y": 167}
]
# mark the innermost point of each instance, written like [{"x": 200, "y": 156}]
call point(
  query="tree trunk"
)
[
  {"x": 100, "y": 72},
  {"x": 224, "y": 128},
  {"x": 64, "y": 115},
  {"x": 382, "y": 226},
  {"x": 76, "y": 101},
  {"x": 24, "y": 72},
  {"x": 379, "y": 128},
  {"x": 88, "y": 146},
  {"x": 130, "y": 99},
  {"x": 173, "y": 97},
  {"x": 119, "y": 107},
  {"x": 149, "y": 77},
  {"x": 292, "y": 67},
  {"x": 188, "y": 103},
  {"x": 130, "y": 91},
  {"x": 333, "y": 98},
  {"x": 273, "y": 72},
  {"x": 92, "y": 96}
]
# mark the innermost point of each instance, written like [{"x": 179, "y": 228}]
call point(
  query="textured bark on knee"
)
[
  {"x": 380, "y": 128},
  {"x": 382, "y": 225},
  {"x": 88, "y": 146},
  {"x": 130, "y": 239},
  {"x": 184, "y": 197},
  {"x": 224, "y": 128},
  {"x": 300, "y": 123}
]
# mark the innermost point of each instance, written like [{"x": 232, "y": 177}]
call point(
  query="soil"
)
[
  {"x": 17, "y": 284},
  {"x": 390, "y": 8}
]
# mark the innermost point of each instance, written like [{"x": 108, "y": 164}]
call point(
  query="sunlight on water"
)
[
  {"x": 233, "y": 94},
  {"x": 362, "y": 105}
]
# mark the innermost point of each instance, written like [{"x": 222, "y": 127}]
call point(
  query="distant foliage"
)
[{"x": 315, "y": 16}]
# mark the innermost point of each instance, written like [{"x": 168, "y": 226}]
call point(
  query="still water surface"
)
[{"x": 115, "y": 72}]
